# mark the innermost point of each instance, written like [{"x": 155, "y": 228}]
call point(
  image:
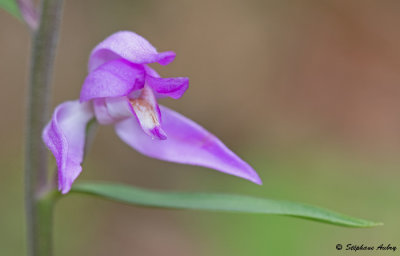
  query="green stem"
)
[
  {"x": 36, "y": 182},
  {"x": 44, "y": 216}
]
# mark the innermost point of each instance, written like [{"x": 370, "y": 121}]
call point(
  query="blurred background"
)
[{"x": 306, "y": 91}]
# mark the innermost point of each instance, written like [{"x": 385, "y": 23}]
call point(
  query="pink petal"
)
[
  {"x": 115, "y": 78},
  {"x": 187, "y": 143},
  {"x": 129, "y": 46},
  {"x": 101, "y": 112},
  {"x": 112, "y": 110},
  {"x": 64, "y": 135},
  {"x": 173, "y": 87}
]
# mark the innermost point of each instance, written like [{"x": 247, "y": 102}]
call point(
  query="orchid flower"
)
[{"x": 121, "y": 89}]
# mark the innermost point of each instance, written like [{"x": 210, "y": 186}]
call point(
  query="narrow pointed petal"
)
[
  {"x": 130, "y": 46},
  {"x": 187, "y": 143},
  {"x": 147, "y": 113},
  {"x": 64, "y": 135},
  {"x": 113, "y": 79},
  {"x": 173, "y": 87}
]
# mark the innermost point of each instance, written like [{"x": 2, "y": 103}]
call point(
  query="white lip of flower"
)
[
  {"x": 144, "y": 106},
  {"x": 145, "y": 114}
]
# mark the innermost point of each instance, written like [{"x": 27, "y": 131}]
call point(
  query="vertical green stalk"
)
[{"x": 38, "y": 207}]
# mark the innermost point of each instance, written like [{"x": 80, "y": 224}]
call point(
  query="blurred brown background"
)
[{"x": 305, "y": 91}]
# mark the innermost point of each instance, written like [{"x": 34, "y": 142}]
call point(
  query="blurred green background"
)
[{"x": 305, "y": 91}]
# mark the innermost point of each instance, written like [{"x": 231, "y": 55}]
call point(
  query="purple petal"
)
[
  {"x": 129, "y": 46},
  {"x": 150, "y": 71},
  {"x": 64, "y": 135},
  {"x": 29, "y": 13},
  {"x": 112, "y": 110},
  {"x": 115, "y": 78},
  {"x": 147, "y": 113},
  {"x": 101, "y": 112},
  {"x": 172, "y": 87},
  {"x": 187, "y": 143}
]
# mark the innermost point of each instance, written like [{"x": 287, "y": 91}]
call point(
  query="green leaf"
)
[
  {"x": 11, "y": 7},
  {"x": 216, "y": 202}
]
